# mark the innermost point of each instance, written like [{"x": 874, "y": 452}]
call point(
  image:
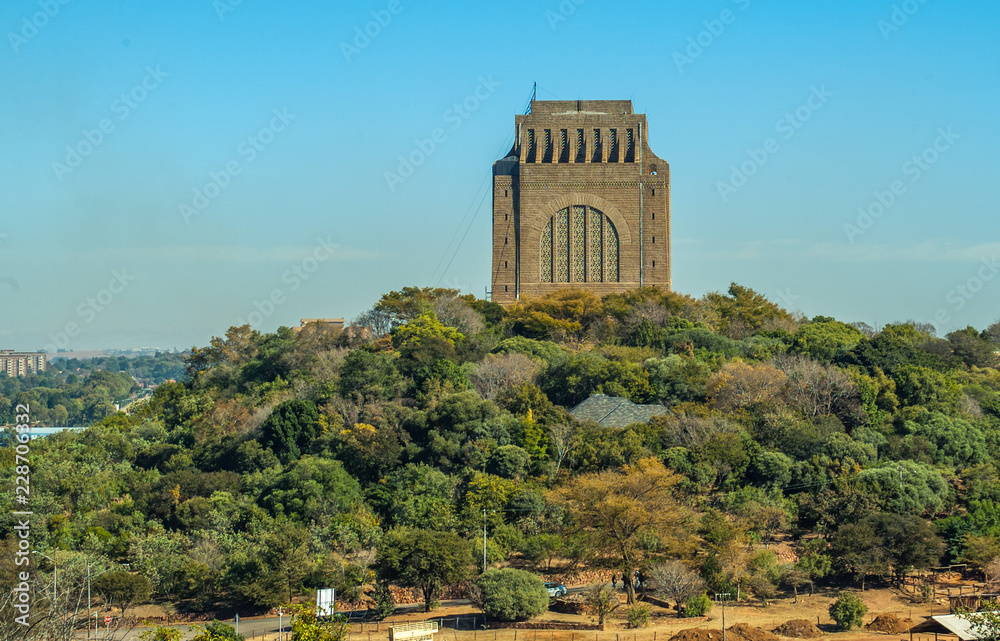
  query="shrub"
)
[
  {"x": 385, "y": 605},
  {"x": 638, "y": 615},
  {"x": 511, "y": 595},
  {"x": 601, "y": 600},
  {"x": 217, "y": 631},
  {"x": 848, "y": 611},
  {"x": 697, "y": 606}
]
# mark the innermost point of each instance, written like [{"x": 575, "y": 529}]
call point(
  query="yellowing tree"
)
[
  {"x": 622, "y": 512},
  {"x": 737, "y": 384}
]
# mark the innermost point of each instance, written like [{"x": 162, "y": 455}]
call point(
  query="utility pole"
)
[
  {"x": 279, "y": 623},
  {"x": 484, "y": 539},
  {"x": 723, "y": 596}
]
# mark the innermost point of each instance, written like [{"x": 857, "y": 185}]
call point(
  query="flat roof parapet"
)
[{"x": 553, "y": 107}]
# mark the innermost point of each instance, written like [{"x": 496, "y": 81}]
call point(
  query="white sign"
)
[
  {"x": 324, "y": 602},
  {"x": 423, "y": 631}
]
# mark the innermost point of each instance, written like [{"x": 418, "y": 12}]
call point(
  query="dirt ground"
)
[{"x": 664, "y": 623}]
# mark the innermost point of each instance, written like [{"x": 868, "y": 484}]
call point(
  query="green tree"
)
[
  {"x": 744, "y": 311},
  {"x": 848, "y": 611},
  {"x": 424, "y": 559},
  {"x": 824, "y": 339},
  {"x": 884, "y": 544},
  {"x": 290, "y": 428},
  {"x": 510, "y": 594},
  {"x": 123, "y": 589},
  {"x": 312, "y": 488},
  {"x": 415, "y": 495},
  {"x": 366, "y": 377}
]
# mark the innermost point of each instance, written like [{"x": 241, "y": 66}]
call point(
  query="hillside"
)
[{"x": 298, "y": 460}]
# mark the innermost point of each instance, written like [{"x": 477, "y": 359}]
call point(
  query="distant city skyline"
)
[{"x": 173, "y": 170}]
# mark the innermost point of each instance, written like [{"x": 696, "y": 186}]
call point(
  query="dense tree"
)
[
  {"x": 886, "y": 544},
  {"x": 424, "y": 559},
  {"x": 510, "y": 594},
  {"x": 619, "y": 510},
  {"x": 290, "y": 428}
]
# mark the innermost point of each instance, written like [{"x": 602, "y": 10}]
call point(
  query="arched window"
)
[{"x": 579, "y": 245}]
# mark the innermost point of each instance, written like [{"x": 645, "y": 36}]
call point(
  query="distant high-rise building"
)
[
  {"x": 21, "y": 363},
  {"x": 580, "y": 201}
]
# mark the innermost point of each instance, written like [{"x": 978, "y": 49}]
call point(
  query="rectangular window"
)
[
  {"x": 613, "y": 149},
  {"x": 629, "y": 146},
  {"x": 581, "y": 146},
  {"x": 530, "y": 156},
  {"x": 563, "y": 145},
  {"x": 597, "y": 146},
  {"x": 548, "y": 146}
]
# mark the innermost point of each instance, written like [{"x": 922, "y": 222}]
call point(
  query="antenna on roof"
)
[{"x": 534, "y": 92}]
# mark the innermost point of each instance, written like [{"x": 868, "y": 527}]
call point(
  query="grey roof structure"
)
[
  {"x": 949, "y": 624},
  {"x": 614, "y": 411}
]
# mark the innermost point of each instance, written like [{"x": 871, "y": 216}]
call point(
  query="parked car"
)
[{"x": 555, "y": 590}]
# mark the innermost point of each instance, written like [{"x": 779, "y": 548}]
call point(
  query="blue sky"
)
[{"x": 173, "y": 169}]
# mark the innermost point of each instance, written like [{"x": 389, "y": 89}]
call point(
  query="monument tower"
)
[{"x": 580, "y": 202}]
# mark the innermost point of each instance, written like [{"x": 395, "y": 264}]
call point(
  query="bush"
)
[
  {"x": 638, "y": 615},
  {"x": 697, "y": 606},
  {"x": 385, "y": 605},
  {"x": 848, "y": 611},
  {"x": 511, "y": 595},
  {"x": 601, "y": 600}
]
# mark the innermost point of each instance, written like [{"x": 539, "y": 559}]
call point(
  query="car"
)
[{"x": 555, "y": 590}]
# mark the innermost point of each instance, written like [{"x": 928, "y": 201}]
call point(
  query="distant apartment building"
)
[{"x": 21, "y": 363}]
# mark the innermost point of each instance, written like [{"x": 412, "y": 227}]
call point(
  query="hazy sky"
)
[{"x": 170, "y": 168}]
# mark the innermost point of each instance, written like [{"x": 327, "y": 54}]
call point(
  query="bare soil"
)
[
  {"x": 889, "y": 624},
  {"x": 799, "y": 629}
]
